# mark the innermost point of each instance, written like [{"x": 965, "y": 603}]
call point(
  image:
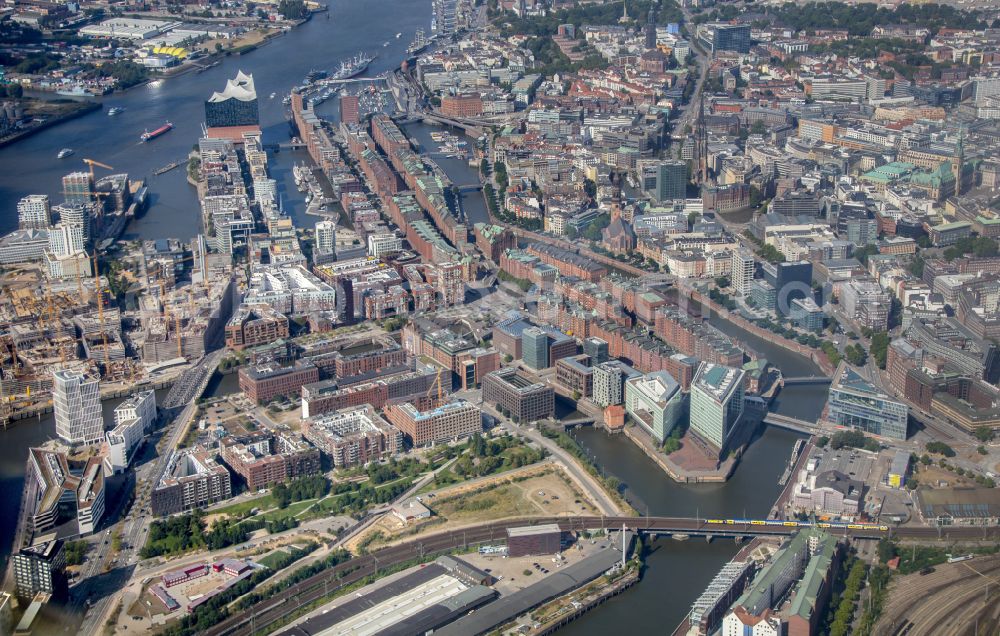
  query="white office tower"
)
[
  {"x": 326, "y": 237},
  {"x": 34, "y": 212},
  {"x": 76, "y": 399},
  {"x": 66, "y": 240}
]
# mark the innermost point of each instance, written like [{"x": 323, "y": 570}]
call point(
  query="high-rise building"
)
[
  {"x": 854, "y": 401},
  {"x": 326, "y": 237},
  {"x": 34, "y": 212},
  {"x": 443, "y": 16},
  {"x": 76, "y": 401},
  {"x": 39, "y": 568},
  {"x": 791, "y": 281},
  {"x": 716, "y": 403},
  {"x": 743, "y": 267},
  {"x": 655, "y": 402},
  {"x": 350, "y": 109},
  {"x": 609, "y": 382},
  {"x": 234, "y": 111},
  {"x": 535, "y": 348},
  {"x": 665, "y": 180},
  {"x": 78, "y": 187},
  {"x": 76, "y": 214},
  {"x": 729, "y": 37}
]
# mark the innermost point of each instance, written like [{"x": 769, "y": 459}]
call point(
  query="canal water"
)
[
  {"x": 677, "y": 572},
  {"x": 14, "y": 444}
]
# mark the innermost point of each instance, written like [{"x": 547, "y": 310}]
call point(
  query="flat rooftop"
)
[{"x": 402, "y": 603}]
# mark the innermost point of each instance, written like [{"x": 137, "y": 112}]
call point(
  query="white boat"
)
[
  {"x": 272, "y": 95},
  {"x": 385, "y": 44},
  {"x": 115, "y": 110},
  {"x": 398, "y": 35},
  {"x": 65, "y": 152}
]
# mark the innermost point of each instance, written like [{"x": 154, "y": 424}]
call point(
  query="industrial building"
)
[
  {"x": 418, "y": 602},
  {"x": 534, "y": 540}
]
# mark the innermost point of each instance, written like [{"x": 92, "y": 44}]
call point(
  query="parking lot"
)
[{"x": 510, "y": 571}]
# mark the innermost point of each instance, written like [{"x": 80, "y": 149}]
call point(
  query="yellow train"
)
[{"x": 798, "y": 524}]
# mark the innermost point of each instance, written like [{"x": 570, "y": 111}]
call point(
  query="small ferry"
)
[{"x": 65, "y": 152}]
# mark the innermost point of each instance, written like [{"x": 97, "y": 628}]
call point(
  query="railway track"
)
[
  {"x": 269, "y": 611},
  {"x": 946, "y": 604}
]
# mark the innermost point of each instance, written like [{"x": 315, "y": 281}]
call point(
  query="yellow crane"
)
[
  {"x": 100, "y": 312},
  {"x": 93, "y": 162},
  {"x": 437, "y": 383}
]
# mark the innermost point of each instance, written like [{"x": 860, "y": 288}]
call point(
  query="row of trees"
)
[
  {"x": 126, "y": 72},
  {"x": 860, "y": 19},
  {"x": 849, "y": 439},
  {"x": 844, "y": 614},
  {"x": 311, "y": 487}
]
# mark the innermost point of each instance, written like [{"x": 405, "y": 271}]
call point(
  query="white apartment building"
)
[
  {"x": 325, "y": 237},
  {"x": 742, "y": 271},
  {"x": 34, "y": 212},
  {"x": 380, "y": 244}
]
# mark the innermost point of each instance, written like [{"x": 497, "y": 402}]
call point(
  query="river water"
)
[
  {"x": 677, "y": 572},
  {"x": 30, "y": 166}
]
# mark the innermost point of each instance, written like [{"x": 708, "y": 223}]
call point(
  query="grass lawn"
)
[
  {"x": 263, "y": 502},
  {"x": 271, "y": 559},
  {"x": 292, "y": 510}
]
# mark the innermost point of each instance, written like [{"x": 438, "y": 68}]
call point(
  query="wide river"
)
[{"x": 677, "y": 572}]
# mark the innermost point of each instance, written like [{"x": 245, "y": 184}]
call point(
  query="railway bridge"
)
[{"x": 276, "y": 608}]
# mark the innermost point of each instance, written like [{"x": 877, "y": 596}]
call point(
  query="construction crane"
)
[
  {"x": 167, "y": 315},
  {"x": 93, "y": 162},
  {"x": 437, "y": 383},
  {"x": 100, "y": 312}
]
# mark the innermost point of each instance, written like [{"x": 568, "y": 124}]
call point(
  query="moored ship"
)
[{"x": 353, "y": 67}]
